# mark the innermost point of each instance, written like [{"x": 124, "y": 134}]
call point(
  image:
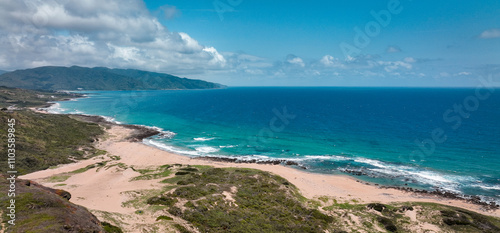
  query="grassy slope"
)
[
  {"x": 29, "y": 98},
  {"x": 44, "y": 140}
]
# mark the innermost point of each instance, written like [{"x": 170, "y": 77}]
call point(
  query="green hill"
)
[
  {"x": 30, "y": 98},
  {"x": 44, "y": 140},
  {"x": 99, "y": 78}
]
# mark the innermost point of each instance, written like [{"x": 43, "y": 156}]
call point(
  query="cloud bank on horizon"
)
[
  {"x": 96, "y": 33},
  {"x": 130, "y": 34}
]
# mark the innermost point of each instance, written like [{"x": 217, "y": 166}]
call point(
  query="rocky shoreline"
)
[
  {"x": 140, "y": 132},
  {"x": 256, "y": 161},
  {"x": 473, "y": 199}
]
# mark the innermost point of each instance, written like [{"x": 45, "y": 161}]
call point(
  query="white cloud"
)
[
  {"x": 254, "y": 71},
  {"x": 97, "y": 33},
  {"x": 463, "y": 73},
  {"x": 292, "y": 59},
  {"x": 410, "y": 60},
  {"x": 128, "y": 54},
  {"x": 391, "y": 66},
  {"x": 216, "y": 57},
  {"x": 189, "y": 44},
  {"x": 490, "y": 33},
  {"x": 330, "y": 61}
]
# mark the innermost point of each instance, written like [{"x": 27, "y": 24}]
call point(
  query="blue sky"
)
[
  {"x": 311, "y": 29},
  {"x": 254, "y": 43}
]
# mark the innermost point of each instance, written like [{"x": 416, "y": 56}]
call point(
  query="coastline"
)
[
  {"x": 378, "y": 161},
  {"x": 104, "y": 190}
]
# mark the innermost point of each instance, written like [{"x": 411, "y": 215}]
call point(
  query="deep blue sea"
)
[{"x": 428, "y": 138}]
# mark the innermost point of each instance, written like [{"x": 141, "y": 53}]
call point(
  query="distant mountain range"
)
[
  {"x": 99, "y": 78},
  {"x": 3, "y": 71}
]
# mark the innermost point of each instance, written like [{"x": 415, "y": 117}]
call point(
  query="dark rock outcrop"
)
[
  {"x": 64, "y": 194},
  {"x": 42, "y": 209}
]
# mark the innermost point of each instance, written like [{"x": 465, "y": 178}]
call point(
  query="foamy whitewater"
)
[{"x": 381, "y": 135}]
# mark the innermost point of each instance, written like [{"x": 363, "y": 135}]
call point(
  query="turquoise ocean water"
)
[{"x": 427, "y": 138}]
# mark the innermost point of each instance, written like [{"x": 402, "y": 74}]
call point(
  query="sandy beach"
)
[{"x": 103, "y": 190}]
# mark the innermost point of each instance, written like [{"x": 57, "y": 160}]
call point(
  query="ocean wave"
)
[
  {"x": 203, "y": 139},
  {"x": 376, "y": 168},
  {"x": 452, "y": 183},
  {"x": 207, "y": 149},
  {"x": 246, "y": 158},
  {"x": 169, "y": 148},
  {"x": 380, "y": 169},
  {"x": 372, "y": 162},
  {"x": 486, "y": 187},
  {"x": 55, "y": 108},
  {"x": 164, "y": 134},
  {"x": 327, "y": 157},
  {"x": 110, "y": 119},
  {"x": 199, "y": 151},
  {"x": 386, "y": 170}
]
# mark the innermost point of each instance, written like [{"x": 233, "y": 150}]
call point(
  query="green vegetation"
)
[
  {"x": 88, "y": 167},
  {"x": 44, "y": 140},
  {"x": 461, "y": 220},
  {"x": 163, "y": 217},
  {"x": 99, "y": 78},
  {"x": 245, "y": 200},
  {"x": 181, "y": 229},
  {"x": 163, "y": 200},
  {"x": 29, "y": 98},
  {"x": 57, "y": 178},
  {"x": 238, "y": 200},
  {"x": 110, "y": 228},
  {"x": 121, "y": 166},
  {"x": 392, "y": 218},
  {"x": 147, "y": 174}
]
